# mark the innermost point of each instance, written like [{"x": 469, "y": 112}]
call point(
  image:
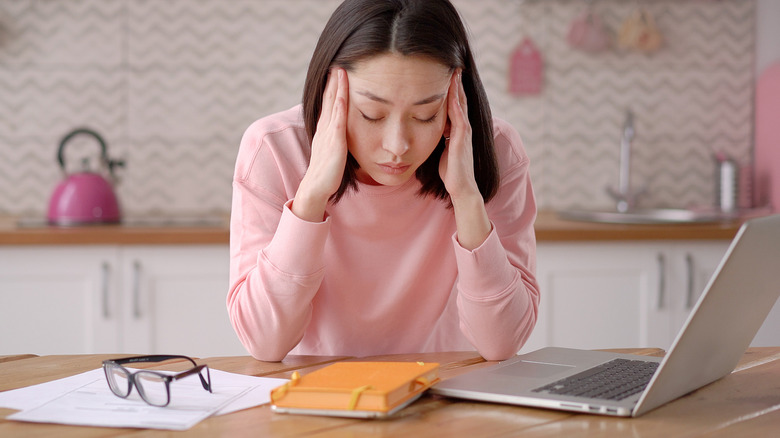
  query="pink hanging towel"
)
[{"x": 526, "y": 69}]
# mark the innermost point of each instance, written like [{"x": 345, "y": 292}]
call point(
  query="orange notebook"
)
[{"x": 355, "y": 389}]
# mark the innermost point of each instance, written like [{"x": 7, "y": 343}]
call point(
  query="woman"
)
[{"x": 389, "y": 213}]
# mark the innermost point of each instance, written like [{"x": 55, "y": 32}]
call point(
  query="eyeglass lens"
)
[
  {"x": 118, "y": 380},
  {"x": 152, "y": 388}
]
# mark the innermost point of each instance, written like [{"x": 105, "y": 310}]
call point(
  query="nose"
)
[{"x": 396, "y": 139}]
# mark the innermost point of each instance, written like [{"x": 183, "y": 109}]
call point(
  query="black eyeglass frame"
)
[{"x": 166, "y": 378}]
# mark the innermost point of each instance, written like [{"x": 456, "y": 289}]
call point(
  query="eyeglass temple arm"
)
[
  {"x": 152, "y": 358},
  {"x": 196, "y": 370}
]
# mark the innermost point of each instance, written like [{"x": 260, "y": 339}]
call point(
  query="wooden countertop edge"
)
[
  {"x": 116, "y": 235},
  {"x": 549, "y": 228},
  {"x": 637, "y": 232},
  {"x": 203, "y": 236}
]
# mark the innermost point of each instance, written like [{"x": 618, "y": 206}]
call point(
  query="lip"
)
[{"x": 393, "y": 169}]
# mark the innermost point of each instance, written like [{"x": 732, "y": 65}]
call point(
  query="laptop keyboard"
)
[{"x": 613, "y": 380}]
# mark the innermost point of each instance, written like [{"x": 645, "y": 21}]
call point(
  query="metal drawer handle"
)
[
  {"x": 661, "y": 281},
  {"x": 105, "y": 272},
  {"x": 691, "y": 267},
  {"x": 137, "y": 289}
]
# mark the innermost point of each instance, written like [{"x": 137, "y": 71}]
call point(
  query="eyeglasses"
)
[{"x": 154, "y": 387}]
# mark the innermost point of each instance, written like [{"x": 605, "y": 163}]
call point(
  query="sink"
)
[{"x": 649, "y": 216}]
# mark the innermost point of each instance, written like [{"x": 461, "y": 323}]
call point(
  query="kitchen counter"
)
[
  {"x": 549, "y": 228},
  {"x": 152, "y": 231}
]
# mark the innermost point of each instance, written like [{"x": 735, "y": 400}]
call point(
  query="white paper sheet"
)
[
  {"x": 85, "y": 399},
  {"x": 35, "y": 395}
]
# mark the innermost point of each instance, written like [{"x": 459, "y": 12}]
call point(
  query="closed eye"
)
[
  {"x": 429, "y": 120},
  {"x": 371, "y": 119},
  {"x": 379, "y": 119}
]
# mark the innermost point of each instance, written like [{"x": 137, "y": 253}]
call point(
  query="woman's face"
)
[{"x": 397, "y": 115}]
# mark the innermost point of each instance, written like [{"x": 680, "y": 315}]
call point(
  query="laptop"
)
[{"x": 713, "y": 339}]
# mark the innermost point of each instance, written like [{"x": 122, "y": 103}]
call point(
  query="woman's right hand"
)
[{"x": 328, "y": 152}]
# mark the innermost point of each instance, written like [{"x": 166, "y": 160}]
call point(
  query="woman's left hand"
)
[{"x": 456, "y": 167}]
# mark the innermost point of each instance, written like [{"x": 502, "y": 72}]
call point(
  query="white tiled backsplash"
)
[{"x": 171, "y": 85}]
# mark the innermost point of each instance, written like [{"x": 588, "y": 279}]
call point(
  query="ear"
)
[{"x": 447, "y": 129}]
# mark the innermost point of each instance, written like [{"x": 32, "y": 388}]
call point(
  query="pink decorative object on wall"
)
[
  {"x": 526, "y": 69},
  {"x": 587, "y": 33}
]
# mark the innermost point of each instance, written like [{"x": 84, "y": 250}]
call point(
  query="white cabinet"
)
[
  {"x": 175, "y": 301},
  {"x": 690, "y": 267},
  {"x": 619, "y": 294},
  {"x": 58, "y": 300},
  {"x": 111, "y": 299}
]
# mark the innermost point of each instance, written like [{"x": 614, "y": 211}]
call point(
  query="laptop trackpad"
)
[{"x": 534, "y": 370}]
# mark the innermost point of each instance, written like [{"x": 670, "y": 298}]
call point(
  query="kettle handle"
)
[{"x": 103, "y": 150}]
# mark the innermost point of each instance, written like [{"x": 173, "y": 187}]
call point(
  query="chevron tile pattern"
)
[
  {"x": 171, "y": 85},
  {"x": 691, "y": 98}
]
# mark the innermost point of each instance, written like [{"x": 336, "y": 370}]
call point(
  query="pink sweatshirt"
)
[{"x": 383, "y": 273}]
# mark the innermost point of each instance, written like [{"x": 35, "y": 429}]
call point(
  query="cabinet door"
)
[
  {"x": 58, "y": 300},
  {"x": 601, "y": 295},
  {"x": 174, "y": 300},
  {"x": 699, "y": 261},
  {"x": 693, "y": 264}
]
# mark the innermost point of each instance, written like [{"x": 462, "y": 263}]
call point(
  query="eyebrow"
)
[{"x": 376, "y": 98}]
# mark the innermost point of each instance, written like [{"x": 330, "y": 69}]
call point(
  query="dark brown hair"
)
[{"x": 360, "y": 29}]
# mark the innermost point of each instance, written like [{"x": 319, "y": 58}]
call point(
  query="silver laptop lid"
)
[{"x": 727, "y": 316}]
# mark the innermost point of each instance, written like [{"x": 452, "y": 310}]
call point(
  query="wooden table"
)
[{"x": 745, "y": 403}]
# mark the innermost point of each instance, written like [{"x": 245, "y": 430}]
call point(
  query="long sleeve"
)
[
  {"x": 498, "y": 296},
  {"x": 277, "y": 262}
]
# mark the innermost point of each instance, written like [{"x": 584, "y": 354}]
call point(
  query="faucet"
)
[{"x": 626, "y": 200}]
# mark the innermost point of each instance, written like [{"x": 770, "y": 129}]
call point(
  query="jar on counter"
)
[{"x": 726, "y": 177}]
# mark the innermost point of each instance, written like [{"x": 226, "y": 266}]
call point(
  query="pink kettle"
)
[{"x": 86, "y": 197}]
